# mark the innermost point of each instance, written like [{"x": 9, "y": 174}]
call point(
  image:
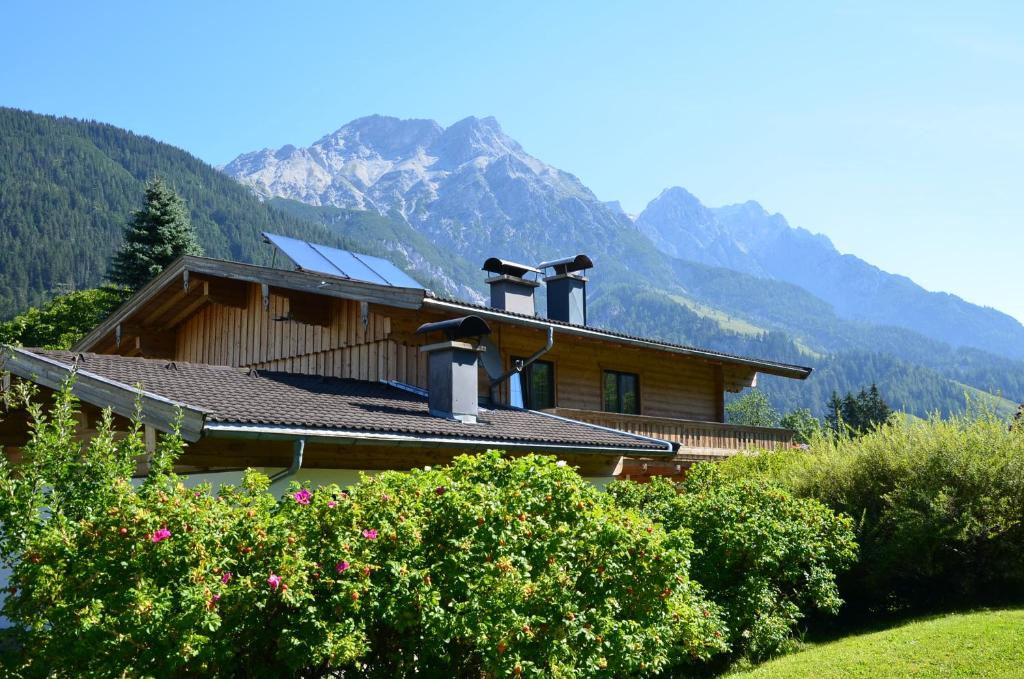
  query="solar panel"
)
[{"x": 337, "y": 262}]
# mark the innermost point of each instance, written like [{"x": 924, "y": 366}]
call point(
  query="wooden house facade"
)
[{"x": 204, "y": 312}]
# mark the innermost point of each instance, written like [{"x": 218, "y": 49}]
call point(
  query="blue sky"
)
[{"x": 898, "y": 131}]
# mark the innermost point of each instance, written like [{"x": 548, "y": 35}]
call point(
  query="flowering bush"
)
[
  {"x": 765, "y": 556},
  {"x": 487, "y": 567}
]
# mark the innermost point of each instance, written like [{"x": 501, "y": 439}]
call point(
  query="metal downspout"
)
[
  {"x": 298, "y": 449},
  {"x": 520, "y": 366}
]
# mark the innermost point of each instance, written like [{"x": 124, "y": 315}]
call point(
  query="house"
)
[{"x": 340, "y": 362}]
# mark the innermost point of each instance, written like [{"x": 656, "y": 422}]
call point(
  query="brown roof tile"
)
[{"x": 233, "y": 395}]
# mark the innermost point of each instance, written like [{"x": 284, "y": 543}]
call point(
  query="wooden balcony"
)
[{"x": 697, "y": 440}]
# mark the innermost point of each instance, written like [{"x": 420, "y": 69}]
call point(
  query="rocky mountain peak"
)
[{"x": 382, "y": 136}]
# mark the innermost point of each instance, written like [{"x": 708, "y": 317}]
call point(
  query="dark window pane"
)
[
  {"x": 630, "y": 394},
  {"x": 538, "y": 380},
  {"x": 621, "y": 392},
  {"x": 611, "y": 393},
  {"x": 542, "y": 385}
]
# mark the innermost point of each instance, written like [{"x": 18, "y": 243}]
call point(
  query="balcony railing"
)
[{"x": 706, "y": 439}]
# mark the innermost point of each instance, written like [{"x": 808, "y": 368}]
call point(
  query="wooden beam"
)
[
  {"x": 165, "y": 307},
  {"x": 198, "y": 295}
]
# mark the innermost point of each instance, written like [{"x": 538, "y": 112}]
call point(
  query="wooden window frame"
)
[
  {"x": 524, "y": 380},
  {"x": 618, "y": 388}
]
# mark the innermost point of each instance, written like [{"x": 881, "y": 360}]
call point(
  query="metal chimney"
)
[
  {"x": 510, "y": 290},
  {"x": 452, "y": 367},
  {"x": 567, "y": 289}
]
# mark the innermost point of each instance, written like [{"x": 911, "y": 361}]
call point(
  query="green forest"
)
[{"x": 68, "y": 187}]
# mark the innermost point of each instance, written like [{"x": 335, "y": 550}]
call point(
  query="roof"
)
[
  {"x": 232, "y": 400},
  {"x": 406, "y": 298},
  {"x": 761, "y": 365}
]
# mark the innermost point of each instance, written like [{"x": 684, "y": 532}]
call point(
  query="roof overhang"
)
[
  {"x": 122, "y": 399},
  {"x": 403, "y": 298},
  {"x": 767, "y": 367},
  {"x": 266, "y": 432},
  {"x": 194, "y": 423}
]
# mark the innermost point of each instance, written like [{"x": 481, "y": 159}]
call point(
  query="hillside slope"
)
[{"x": 67, "y": 187}]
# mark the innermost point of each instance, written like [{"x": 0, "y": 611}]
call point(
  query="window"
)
[
  {"x": 538, "y": 384},
  {"x": 621, "y": 392}
]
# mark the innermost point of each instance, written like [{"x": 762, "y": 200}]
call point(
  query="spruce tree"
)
[
  {"x": 155, "y": 236},
  {"x": 834, "y": 412}
]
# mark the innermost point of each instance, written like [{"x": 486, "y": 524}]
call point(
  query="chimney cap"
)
[
  {"x": 504, "y": 266},
  {"x": 568, "y": 264},
  {"x": 457, "y": 328}
]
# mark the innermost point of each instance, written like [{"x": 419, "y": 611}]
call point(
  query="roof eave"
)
[
  {"x": 270, "y": 432},
  {"x": 766, "y": 367},
  {"x": 122, "y": 399}
]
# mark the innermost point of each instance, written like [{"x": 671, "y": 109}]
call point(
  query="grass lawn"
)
[{"x": 985, "y": 644}]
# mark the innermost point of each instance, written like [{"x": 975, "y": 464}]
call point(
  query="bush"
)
[
  {"x": 938, "y": 504},
  {"x": 940, "y": 510},
  {"x": 487, "y": 567},
  {"x": 765, "y": 556}
]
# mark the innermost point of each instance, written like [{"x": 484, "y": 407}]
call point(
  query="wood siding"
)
[
  {"x": 267, "y": 339},
  {"x": 385, "y": 347}
]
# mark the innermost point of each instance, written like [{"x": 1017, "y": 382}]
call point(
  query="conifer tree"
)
[{"x": 155, "y": 236}]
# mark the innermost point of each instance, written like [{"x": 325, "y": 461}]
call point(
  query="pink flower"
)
[
  {"x": 216, "y": 598},
  {"x": 274, "y": 581},
  {"x": 302, "y": 497},
  {"x": 332, "y": 504},
  {"x": 370, "y": 533},
  {"x": 160, "y": 534},
  {"x": 226, "y": 578},
  {"x": 342, "y": 566}
]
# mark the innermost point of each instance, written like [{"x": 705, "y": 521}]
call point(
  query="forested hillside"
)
[{"x": 67, "y": 188}]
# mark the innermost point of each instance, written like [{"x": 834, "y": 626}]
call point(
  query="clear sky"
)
[{"x": 897, "y": 129}]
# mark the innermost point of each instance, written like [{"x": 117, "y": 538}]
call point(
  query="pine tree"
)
[
  {"x": 878, "y": 410},
  {"x": 154, "y": 237},
  {"x": 834, "y": 412}
]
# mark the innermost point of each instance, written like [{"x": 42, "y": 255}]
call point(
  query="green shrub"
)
[
  {"x": 938, "y": 506},
  {"x": 766, "y": 557},
  {"x": 487, "y": 567}
]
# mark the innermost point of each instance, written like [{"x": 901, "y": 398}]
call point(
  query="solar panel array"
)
[{"x": 342, "y": 263}]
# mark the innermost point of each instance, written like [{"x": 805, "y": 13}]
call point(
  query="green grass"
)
[
  {"x": 1004, "y": 407},
  {"x": 724, "y": 320},
  {"x": 986, "y": 644}
]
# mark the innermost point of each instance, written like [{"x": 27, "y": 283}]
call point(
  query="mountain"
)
[
  {"x": 747, "y": 238},
  {"x": 469, "y": 188},
  {"x": 67, "y": 187},
  {"x": 472, "y": 190}
]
